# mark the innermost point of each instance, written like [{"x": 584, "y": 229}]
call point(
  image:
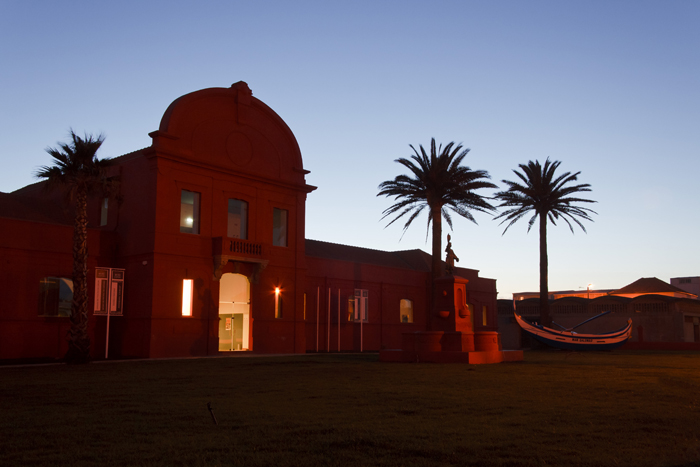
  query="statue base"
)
[
  {"x": 451, "y": 338},
  {"x": 451, "y": 347}
]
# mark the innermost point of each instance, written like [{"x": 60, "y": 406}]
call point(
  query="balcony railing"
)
[{"x": 236, "y": 247}]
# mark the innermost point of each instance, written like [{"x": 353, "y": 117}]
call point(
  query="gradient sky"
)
[{"x": 610, "y": 88}]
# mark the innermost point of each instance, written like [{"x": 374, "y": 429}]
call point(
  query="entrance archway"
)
[{"x": 234, "y": 312}]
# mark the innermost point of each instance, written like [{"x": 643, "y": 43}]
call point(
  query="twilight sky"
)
[{"x": 610, "y": 88}]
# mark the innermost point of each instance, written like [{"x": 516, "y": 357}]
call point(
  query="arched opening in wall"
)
[{"x": 234, "y": 313}]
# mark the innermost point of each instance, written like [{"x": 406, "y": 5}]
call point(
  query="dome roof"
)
[{"x": 229, "y": 129}]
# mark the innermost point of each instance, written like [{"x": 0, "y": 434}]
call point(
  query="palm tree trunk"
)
[
  {"x": 79, "y": 339},
  {"x": 437, "y": 242},
  {"x": 436, "y": 264},
  {"x": 545, "y": 319}
]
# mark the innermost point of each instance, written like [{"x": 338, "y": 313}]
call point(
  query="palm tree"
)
[
  {"x": 77, "y": 170},
  {"x": 438, "y": 182},
  {"x": 548, "y": 197}
]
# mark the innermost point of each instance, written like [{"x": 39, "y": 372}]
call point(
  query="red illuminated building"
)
[{"x": 208, "y": 229}]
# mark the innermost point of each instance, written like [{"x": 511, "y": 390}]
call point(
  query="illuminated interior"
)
[
  {"x": 187, "y": 297},
  {"x": 189, "y": 212},
  {"x": 278, "y": 303},
  {"x": 406, "y": 307},
  {"x": 234, "y": 313}
]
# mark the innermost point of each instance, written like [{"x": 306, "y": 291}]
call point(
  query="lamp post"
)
[{"x": 588, "y": 289}]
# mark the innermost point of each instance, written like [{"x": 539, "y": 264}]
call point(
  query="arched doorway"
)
[{"x": 234, "y": 312}]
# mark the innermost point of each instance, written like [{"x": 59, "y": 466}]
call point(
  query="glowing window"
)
[
  {"x": 406, "y": 308},
  {"x": 189, "y": 212},
  {"x": 55, "y": 296},
  {"x": 279, "y": 227},
  {"x": 304, "y": 306},
  {"x": 484, "y": 316},
  {"x": 351, "y": 308},
  {"x": 187, "y": 294},
  {"x": 237, "y": 219},
  {"x": 278, "y": 303}
]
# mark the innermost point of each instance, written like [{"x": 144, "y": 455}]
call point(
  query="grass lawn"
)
[{"x": 555, "y": 408}]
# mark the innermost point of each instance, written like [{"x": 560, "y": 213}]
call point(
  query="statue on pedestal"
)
[{"x": 450, "y": 257}]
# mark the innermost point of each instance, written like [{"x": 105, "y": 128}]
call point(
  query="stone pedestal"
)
[{"x": 451, "y": 338}]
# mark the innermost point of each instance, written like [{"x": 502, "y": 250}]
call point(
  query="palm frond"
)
[
  {"x": 437, "y": 179},
  {"x": 75, "y": 164},
  {"x": 544, "y": 193}
]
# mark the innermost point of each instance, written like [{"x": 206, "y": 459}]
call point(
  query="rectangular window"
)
[
  {"x": 360, "y": 305},
  {"x": 55, "y": 296},
  {"x": 189, "y": 212},
  {"x": 406, "y": 307},
  {"x": 304, "y": 306},
  {"x": 237, "y": 219},
  {"x": 279, "y": 227},
  {"x": 484, "y": 315},
  {"x": 278, "y": 303},
  {"x": 187, "y": 293},
  {"x": 351, "y": 308},
  {"x": 104, "y": 206}
]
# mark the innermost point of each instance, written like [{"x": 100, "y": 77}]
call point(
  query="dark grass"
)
[{"x": 555, "y": 408}]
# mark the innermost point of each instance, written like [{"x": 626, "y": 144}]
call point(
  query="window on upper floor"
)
[
  {"x": 55, "y": 296},
  {"x": 237, "y": 219},
  {"x": 406, "y": 308},
  {"x": 104, "y": 206},
  {"x": 484, "y": 315},
  {"x": 279, "y": 227},
  {"x": 189, "y": 212}
]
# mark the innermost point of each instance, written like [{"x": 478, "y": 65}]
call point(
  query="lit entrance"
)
[{"x": 234, "y": 312}]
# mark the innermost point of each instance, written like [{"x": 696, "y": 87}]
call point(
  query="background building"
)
[
  {"x": 689, "y": 284},
  {"x": 663, "y": 316}
]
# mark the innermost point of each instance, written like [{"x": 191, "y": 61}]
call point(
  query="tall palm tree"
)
[
  {"x": 77, "y": 170},
  {"x": 548, "y": 197},
  {"x": 438, "y": 182}
]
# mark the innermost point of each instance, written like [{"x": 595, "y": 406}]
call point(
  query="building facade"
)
[{"x": 208, "y": 235}]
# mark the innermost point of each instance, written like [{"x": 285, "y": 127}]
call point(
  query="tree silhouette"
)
[
  {"x": 438, "y": 182},
  {"x": 77, "y": 170},
  {"x": 547, "y": 197}
]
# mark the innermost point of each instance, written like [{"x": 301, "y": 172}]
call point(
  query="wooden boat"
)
[{"x": 570, "y": 340}]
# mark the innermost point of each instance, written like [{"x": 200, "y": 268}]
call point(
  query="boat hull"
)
[{"x": 574, "y": 341}]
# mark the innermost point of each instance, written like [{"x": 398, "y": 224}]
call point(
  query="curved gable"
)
[{"x": 230, "y": 129}]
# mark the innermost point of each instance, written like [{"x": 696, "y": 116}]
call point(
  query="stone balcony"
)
[{"x": 225, "y": 249}]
